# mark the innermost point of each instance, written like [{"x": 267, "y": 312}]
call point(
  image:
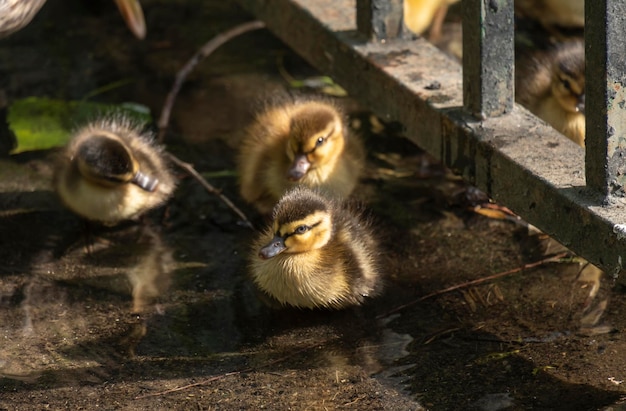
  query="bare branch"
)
[
  {"x": 192, "y": 171},
  {"x": 181, "y": 76},
  {"x": 474, "y": 282},
  {"x": 246, "y": 370},
  {"x": 204, "y": 52}
]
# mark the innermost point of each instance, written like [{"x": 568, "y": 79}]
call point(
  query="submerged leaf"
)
[
  {"x": 41, "y": 123},
  {"x": 323, "y": 84}
]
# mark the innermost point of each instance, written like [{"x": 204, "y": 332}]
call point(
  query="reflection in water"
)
[
  {"x": 128, "y": 260},
  {"x": 494, "y": 402},
  {"x": 373, "y": 354},
  {"x": 590, "y": 284},
  {"x": 52, "y": 313},
  {"x": 596, "y": 302},
  {"x": 151, "y": 276}
]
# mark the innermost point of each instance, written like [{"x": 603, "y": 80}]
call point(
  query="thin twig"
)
[
  {"x": 474, "y": 282},
  {"x": 220, "y": 376},
  {"x": 204, "y": 52},
  {"x": 181, "y": 76},
  {"x": 192, "y": 171},
  {"x": 184, "y": 387}
]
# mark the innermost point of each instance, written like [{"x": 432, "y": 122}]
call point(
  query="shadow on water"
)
[
  {"x": 142, "y": 304},
  {"x": 456, "y": 367},
  {"x": 473, "y": 370}
]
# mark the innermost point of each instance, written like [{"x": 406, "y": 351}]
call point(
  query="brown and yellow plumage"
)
[
  {"x": 111, "y": 171},
  {"x": 551, "y": 84},
  {"x": 318, "y": 253},
  {"x": 302, "y": 142}
]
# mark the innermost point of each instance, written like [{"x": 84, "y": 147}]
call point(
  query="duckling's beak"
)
[
  {"x": 580, "y": 106},
  {"x": 275, "y": 247},
  {"x": 133, "y": 15},
  {"x": 145, "y": 182},
  {"x": 298, "y": 168}
]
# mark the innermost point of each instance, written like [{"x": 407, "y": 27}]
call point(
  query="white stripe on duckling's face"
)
[{"x": 310, "y": 233}]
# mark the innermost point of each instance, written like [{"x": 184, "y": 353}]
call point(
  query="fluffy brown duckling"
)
[
  {"x": 551, "y": 84},
  {"x": 15, "y": 14},
  {"x": 111, "y": 171},
  {"x": 302, "y": 142},
  {"x": 318, "y": 253}
]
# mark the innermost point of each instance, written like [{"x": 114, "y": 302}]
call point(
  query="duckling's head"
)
[
  {"x": 568, "y": 77},
  {"x": 316, "y": 138},
  {"x": 302, "y": 221},
  {"x": 103, "y": 159}
]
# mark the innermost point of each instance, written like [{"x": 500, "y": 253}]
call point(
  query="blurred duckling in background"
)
[
  {"x": 551, "y": 84},
  {"x": 302, "y": 142},
  {"x": 110, "y": 171},
  {"x": 132, "y": 13},
  {"x": 318, "y": 253},
  {"x": 16, "y": 14},
  {"x": 553, "y": 14},
  {"x": 419, "y": 15}
]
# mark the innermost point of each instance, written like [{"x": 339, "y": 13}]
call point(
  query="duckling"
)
[
  {"x": 303, "y": 142},
  {"x": 318, "y": 253},
  {"x": 15, "y": 14},
  {"x": 419, "y": 15},
  {"x": 551, "y": 84},
  {"x": 553, "y": 13},
  {"x": 110, "y": 171}
]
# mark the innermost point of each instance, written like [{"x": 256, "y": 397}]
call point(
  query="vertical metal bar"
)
[
  {"x": 380, "y": 19},
  {"x": 605, "y": 90},
  {"x": 488, "y": 54}
]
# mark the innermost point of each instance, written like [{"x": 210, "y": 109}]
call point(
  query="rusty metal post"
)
[
  {"x": 380, "y": 19},
  {"x": 605, "y": 161},
  {"x": 488, "y": 55}
]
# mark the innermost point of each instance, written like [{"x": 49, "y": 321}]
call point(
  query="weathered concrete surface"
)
[{"x": 606, "y": 88}]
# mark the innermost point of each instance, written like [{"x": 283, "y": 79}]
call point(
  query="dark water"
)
[{"x": 116, "y": 318}]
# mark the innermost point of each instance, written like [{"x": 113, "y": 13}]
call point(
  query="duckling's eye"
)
[
  {"x": 301, "y": 229},
  {"x": 566, "y": 84},
  {"x": 320, "y": 141}
]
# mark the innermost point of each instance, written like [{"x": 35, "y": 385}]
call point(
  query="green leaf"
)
[
  {"x": 42, "y": 123},
  {"x": 323, "y": 84}
]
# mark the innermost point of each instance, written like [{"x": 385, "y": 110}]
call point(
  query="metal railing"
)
[{"x": 465, "y": 116}]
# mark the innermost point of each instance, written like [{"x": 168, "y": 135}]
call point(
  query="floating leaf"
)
[
  {"x": 496, "y": 211},
  {"x": 323, "y": 84},
  {"x": 496, "y": 356},
  {"x": 491, "y": 213},
  {"x": 544, "y": 368},
  {"x": 41, "y": 123}
]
